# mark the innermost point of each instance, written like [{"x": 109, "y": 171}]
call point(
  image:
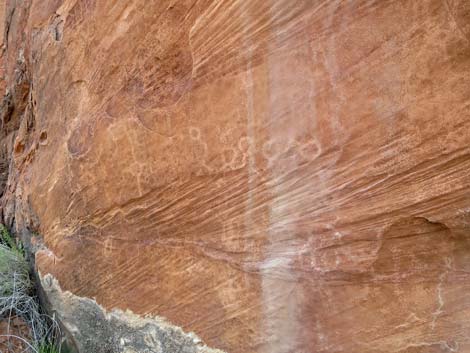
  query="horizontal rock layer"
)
[{"x": 276, "y": 176}]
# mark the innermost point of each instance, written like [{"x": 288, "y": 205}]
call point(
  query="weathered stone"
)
[
  {"x": 276, "y": 176},
  {"x": 91, "y": 329}
]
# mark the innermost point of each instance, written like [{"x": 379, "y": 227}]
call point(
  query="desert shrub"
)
[{"x": 17, "y": 296}]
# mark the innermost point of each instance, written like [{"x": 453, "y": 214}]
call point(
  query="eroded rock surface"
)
[
  {"x": 90, "y": 328},
  {"x": 276, "y": 176}
]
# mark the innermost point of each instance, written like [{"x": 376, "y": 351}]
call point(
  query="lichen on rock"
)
[{"x": 90, "y": 328}]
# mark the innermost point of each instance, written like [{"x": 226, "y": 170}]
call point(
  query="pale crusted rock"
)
[{"x": 90, "y": 328}]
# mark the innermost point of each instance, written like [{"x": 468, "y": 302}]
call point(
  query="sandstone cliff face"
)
[{"x": 274, "y": 175}]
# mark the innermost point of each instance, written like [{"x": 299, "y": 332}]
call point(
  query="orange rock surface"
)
[{"x": 277, "y": 176}]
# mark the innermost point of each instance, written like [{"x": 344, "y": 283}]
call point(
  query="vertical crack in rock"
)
[{"x": 90, "y": 328}]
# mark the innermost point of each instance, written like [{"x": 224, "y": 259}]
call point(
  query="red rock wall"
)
[{"x": 277, "y": 176}]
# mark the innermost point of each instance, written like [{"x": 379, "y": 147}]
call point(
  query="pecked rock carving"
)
[{"x": 275, "y": 176}]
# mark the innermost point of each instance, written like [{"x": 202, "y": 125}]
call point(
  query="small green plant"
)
[
  {"x": 48, "y": 348},
  {"x": 7, "y": 240},
  {"x": 14, "y": 275},
  {"x": 17, "y": 296}
]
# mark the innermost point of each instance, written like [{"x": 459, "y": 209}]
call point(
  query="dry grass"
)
[{"x": 17, "y": 299}]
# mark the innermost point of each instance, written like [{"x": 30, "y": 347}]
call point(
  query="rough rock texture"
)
[
  {"x": 277, "y": 176},
  {"x": 92, "y": 329}
]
